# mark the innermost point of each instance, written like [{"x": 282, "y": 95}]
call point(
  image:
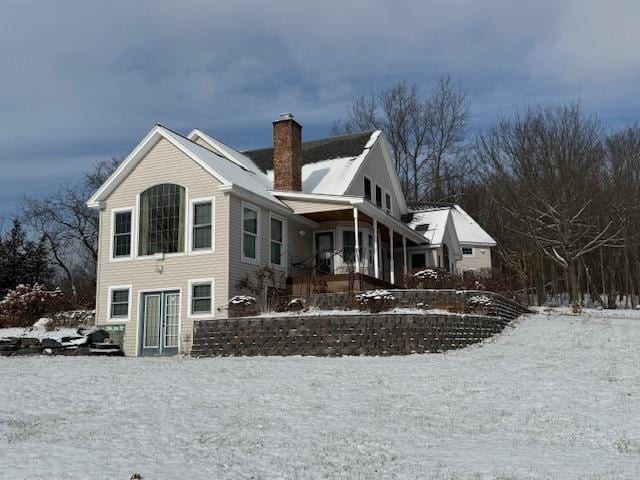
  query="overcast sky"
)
[{"x": 83, "y": 80}]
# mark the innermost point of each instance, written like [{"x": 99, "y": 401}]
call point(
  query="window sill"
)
[
  {"x": 118, "y": 320},
  {"x": 250, "y": 261},
  {"x": 202, "y": 251}
]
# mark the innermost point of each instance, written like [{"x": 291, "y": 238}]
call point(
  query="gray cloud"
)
[{"x": 84, "y": 80}]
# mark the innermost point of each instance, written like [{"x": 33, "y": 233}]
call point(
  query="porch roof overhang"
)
[{"x": 341, "y": 202}]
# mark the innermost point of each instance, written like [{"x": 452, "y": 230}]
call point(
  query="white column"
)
[
  {"x": 376, "y": 268},
  {"x": 404, "y": 253},
  {"x": 392, "y": 267},
  {"x": 355, "y": 228}
]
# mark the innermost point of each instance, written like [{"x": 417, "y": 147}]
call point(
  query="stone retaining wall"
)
[
  {"x": 434, "y": 298},
  {"x": 365, "y": 334}
]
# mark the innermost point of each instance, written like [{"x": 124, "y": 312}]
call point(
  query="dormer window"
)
[{"x": 162, "y": 219}]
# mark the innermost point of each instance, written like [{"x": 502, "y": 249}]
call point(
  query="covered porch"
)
[{"x": 355, "y": 245}]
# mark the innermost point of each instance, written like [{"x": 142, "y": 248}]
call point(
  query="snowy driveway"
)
[{"x": 555, "y": 397}]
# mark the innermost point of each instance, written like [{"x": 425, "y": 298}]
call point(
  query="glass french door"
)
[
  {"x": 324, "y": 253},
  {"x": 160, "y": 318}
]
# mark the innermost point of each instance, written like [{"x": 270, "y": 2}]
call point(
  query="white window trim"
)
[
  {"x": 468, "y": 255},
  {"x": 199, "y": 281},
  {"x": 252, "y": 261},
  {"x": 284, "y": 256},
  {"x": 191, "y": 223},
  {"x": 109, "y": 299},
  {"x": 112, "y": 243},
  {"x": 155, "y": 256},
  {"x": 372, "y": 199},
  {"x": 384, "y": 203}
]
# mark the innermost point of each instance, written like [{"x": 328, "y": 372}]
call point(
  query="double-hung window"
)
[
  {"x": 250, "y": 243},
  {"x": 201, "y": 294},
  {"x": 122, "y": 234},
  {"x": 202, "y": 225},
  {"x": 387, "y": 202},
  {"x": 367, "y": 188},
  {"x": 276, "y": 235},
  {"x": 379, "y": 196},
  {"x": 119, "y": 303}
]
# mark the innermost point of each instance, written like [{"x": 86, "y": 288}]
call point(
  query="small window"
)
[
  {"x": 201, "y": 298},
  {"x": 422, "y": 227},
  {"x": 367, "y": 188},
  {"x": 119, "y": 303},
  {"x": 277, "y": 241},
  {"x": 467, "y": 251},
  {"x": 122, "y": 234},
  {"x": 387, "y": 202},
  {"x": 418, "y": 260},
  {"x": 202, "y": 225},
  {"x": 249, "y": 233},
  {"x": 379, "y": 195}
]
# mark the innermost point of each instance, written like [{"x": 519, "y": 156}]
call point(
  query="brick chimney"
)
[{"x": 287, "y": 154}]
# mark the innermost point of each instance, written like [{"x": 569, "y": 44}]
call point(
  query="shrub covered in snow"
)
[
  {"x": 375, "y": 301},
  {"x": 481, "y": 304},
  {"x": 295, "y": 305},
  {"x": 243, "y": 306},
  {"x": 27, "y": 303},
  {"x": 432, "y": 277}
]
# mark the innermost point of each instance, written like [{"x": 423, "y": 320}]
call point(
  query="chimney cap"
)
[{"x": 286, "y": 116}]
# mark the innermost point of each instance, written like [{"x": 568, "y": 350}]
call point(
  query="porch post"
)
[
  {"x": 355, "y": 228},
  {"x": 376, "y": 268},
  {"x": 404, "y": 253},
  {"x": 392, "y": 266}
]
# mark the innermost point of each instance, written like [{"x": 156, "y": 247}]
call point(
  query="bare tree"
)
[
  {"x": 545, "y": 170},
  {"x": 69, "y": 227},
  {"x": 425, "y": 133}
]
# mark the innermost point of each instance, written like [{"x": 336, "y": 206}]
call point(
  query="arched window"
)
[{"x": 162, "y": 219}]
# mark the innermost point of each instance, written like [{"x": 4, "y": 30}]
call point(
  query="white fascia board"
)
[
  {"x": 260, "y": 201},
  {"x": 398, "y": 225},
  {"x": 319, "y": 197},
  {"x": 137, "y": 154},
  {"x": 386, "y": 149}
]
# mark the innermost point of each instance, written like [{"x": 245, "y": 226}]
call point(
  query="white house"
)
[
  {"x": 455, "y": 240},
  {"x": 184, "y": 218}
]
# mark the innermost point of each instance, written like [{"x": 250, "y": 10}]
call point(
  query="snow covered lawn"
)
[{"x": 555, "y": 397}]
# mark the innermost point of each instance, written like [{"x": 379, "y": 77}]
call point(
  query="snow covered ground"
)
[{"x": 555, "y": 397}]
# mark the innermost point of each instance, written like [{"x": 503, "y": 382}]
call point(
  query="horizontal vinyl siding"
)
[
  {"x": 297, "y": 247},
  {"x": 479, "y": 261},
  {"x": 164, "y": 164},
  {"x": 375, "y": 168},
  {"x": 301, "y": 207}
]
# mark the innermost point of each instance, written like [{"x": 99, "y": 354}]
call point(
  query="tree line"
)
[{"x": 558, "y": 191}]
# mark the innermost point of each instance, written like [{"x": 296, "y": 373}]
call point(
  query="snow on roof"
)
[
  {"x": 225, "y": 150},
  {"x": 436, "y": 219},
  {"x": 468, "y": 229},
  {"x": 235, "y": 173},
  {"x": 331, "y": 177}
]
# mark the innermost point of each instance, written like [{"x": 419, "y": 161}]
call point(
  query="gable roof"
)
[
  {"x": 467, "y": 230},
  {"x": 342, "y": 146},
  {"x": 431, "y": 223},
  {"x": 228, "y": 172},
  {"x": 223, "y": 150}
]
